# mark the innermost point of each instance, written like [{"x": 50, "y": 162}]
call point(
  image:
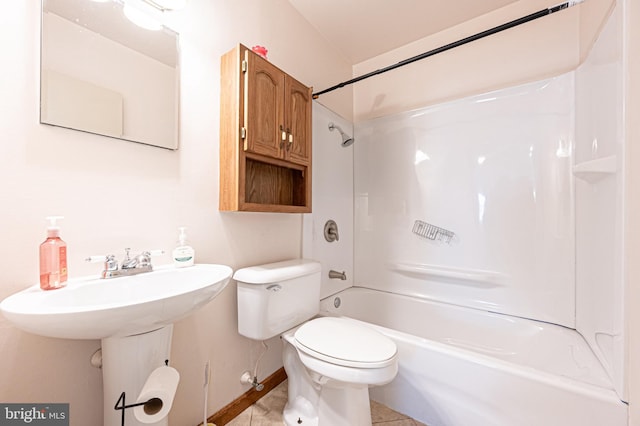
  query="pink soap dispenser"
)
[{"x": 53, "y": 258}]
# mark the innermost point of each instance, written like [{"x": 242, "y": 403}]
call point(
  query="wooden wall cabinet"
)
[{"x": 265, "y": 136}]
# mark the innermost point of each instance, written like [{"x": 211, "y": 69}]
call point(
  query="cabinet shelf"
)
[{"x": 271, "y": 184}]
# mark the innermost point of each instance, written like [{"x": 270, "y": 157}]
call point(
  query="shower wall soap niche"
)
[{"x": 265, "y": 136}]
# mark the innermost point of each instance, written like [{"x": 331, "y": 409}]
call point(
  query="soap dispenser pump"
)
[
  {"x": 53, "y": 258},
  {"x": 183, "y": 254}
]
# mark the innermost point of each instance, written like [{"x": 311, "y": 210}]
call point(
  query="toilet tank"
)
[{"x": 276, "y": 297}]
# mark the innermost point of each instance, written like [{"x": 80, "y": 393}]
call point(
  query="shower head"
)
[{"x": 346, "y": 139}]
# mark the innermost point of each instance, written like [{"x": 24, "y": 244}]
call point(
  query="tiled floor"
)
[{"x": 268, "y": 412}]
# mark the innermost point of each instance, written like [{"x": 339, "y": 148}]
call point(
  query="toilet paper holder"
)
[
  {"x": 124, "y": 406},
  {"x": 152, "y": 405}
]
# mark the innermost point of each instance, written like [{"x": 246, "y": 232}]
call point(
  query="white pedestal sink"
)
[{"x": 132, "y": 316}]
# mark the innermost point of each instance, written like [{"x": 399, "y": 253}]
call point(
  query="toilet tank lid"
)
[{"x": 278, "y": 271}]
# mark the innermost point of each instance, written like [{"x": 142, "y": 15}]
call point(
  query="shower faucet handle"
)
[{"x": 331, "y": 231}]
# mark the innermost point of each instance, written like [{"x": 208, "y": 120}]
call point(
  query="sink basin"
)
[{"x": 93, "y": 308}]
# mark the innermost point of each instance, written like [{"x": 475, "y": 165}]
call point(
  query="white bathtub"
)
[{"x": 466, "y": 367}]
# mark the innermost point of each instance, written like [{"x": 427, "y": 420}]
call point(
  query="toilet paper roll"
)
[{"x": 157, "y": 393}]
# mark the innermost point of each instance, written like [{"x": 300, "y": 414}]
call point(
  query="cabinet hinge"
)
[
  {"x": 244, "y": 66},
  {"x": 243, "y": 132}
]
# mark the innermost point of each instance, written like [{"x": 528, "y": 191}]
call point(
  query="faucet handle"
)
[
  {"x": 157, "y": 252},
  {"x": 144, "y": 258},
  {"x": 110, "y": 262},
  {"x": 331, "y": 231},
  {"x": 97, "y": 258}
]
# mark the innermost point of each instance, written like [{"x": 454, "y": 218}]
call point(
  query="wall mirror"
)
[{"x": 101, "y": 73}]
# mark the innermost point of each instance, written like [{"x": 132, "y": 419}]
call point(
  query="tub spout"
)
[{"x": 337, "y": 275}]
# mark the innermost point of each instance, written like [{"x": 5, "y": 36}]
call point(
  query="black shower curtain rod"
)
[{"x": 494, "y": 30}]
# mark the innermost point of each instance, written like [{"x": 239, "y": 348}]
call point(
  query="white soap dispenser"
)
[{"x": 183, "y": 254}]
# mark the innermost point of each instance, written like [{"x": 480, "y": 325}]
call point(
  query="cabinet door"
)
[
  {"x": 297, "y": 105},
  {"x": 264, "y": 107}
]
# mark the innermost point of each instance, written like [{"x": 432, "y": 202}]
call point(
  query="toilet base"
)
[
  {"x": 315, "y": 400},
  {"x": 300, "y": 411},
  {"x": 336, "y": 406}
]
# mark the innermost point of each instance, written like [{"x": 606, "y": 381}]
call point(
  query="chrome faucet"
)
[
  {"x": 143, "y": 260},
  {"x": 337, "y": 275},
  {"x": 129, "y": 266}
]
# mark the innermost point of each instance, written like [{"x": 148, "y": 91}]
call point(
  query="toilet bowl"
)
[{"x": 330, "y": 362}]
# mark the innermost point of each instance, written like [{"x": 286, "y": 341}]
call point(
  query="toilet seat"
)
[{"x": 345, "y": 343}]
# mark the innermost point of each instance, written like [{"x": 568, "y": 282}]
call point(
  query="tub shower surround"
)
[
  {"x": 494, "y": 171},
  {"x": 489, "y": 238}
]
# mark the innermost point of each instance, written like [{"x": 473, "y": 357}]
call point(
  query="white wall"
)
[
  {"x": 539, "y": 49},
  {"x": 332, "y": 199},
  {"x": 117, "y": 194},
  {"x": 599, "y": 171},
  {"x": 631, "y": 98}
]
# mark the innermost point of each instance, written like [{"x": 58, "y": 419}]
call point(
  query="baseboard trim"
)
[{"x": 247, "y": 399}]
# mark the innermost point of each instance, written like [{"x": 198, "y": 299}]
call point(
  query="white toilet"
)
[{"x": 330, "y": 362}]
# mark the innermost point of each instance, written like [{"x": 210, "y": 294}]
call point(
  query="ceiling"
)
[
  {"x": 359, "y": 29},
  {"x": 362, "y": 29}
]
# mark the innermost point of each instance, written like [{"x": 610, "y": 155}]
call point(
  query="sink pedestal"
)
[{"x": 126, "y": 364}]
